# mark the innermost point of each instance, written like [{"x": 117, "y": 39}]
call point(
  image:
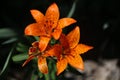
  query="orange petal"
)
[
  {"x": 42, "y": 64},
  {"x": 64, "y": 41},
  {"x": 82, "y": 48},
  {"x": 56, "y": 50},
  {"x": 43, "y": 43},
  {"x": 52, "y": 16},
  {"x": 73, "y": 37},
  {"x": 28, "y": 60},
  {"x": 66, "y": 22},
  {"x": 57, "y": 32},
  {"x": 76, "y": 61},
  {"x": 37, "y": 15},
  {"x": 34, "y": 30},
  {"x": 61, "y": 65}
]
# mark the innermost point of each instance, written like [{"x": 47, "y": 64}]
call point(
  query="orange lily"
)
[
  {"x": 48, "y": 25},
  {"x": 68, "y": 51},
  {"x": 34, "y": 52}
]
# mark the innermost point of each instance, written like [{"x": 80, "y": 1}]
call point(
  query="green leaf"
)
[
  {"x": 20, "y": 57},
  {"x": 46, "y": 76},
  {"x": 52, "y": 69},
  {"x": 6, "y": 62},
  {"x": 36, "y": 38},
  {"x": 22, "y": 48},
  {"x": 6, "y": 33},
  {"x": 9, "y": 41}
]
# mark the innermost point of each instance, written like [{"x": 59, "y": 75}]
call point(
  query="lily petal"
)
[
  {"x": 56, "y": 50},
  {"x": 61, "y": 24},
  {"x": 73, "y": 37},
  {"x": 61, "y": 65},
  {"x": 82, "y": 48},
  {"x": 42, "y": 64},
  {"x": 52, "y": 16},
  {"x": 66, "y": 22},
  {"x": 28, "y": 60},
  {"x": 34, "y": 30},
  {"x": 43, "y": 43},
  {"x": 76, "y": 61},
  {"x": 56, "y": 34},
  {"x": 64, "y": 42},
  {"x": 37, "y": 15}
]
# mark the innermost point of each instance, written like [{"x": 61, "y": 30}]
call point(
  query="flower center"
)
[{"x": 48, "y": 26}]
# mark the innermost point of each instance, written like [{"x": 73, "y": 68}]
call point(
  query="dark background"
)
[{"x": 91, "y": 16}]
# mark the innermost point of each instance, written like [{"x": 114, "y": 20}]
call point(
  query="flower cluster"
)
[{"x": 67, "y": 50}]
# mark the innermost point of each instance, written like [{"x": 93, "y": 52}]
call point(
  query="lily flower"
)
[
  {"x": 34, "y": 52},
  {"x": 68, "y": 51},
  {"x": 48, "y": 25}
]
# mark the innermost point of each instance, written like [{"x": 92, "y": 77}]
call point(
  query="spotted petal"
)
[
  {"x": 61, "y": 65},
  {"x": 62, "y": 23},
  {"x": 56, "y": 33},
  {"x": 66, "y": 22},
  {"x": 52, "y": 16},
  {"x": 37, "y": 15},
  {"x": 73, "y": 37},
  {"x": 56, "y": 51},
  {"x": 82, "y": 48},
  {"x": 43, "y": 43},
  {"x": 34, "y": 30},
  {"x": 64, "y": 41}
]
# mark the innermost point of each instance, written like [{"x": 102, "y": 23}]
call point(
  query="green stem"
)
[
  {"x": 47, "y": 77},
  {"x": 72, "y": 10}
]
